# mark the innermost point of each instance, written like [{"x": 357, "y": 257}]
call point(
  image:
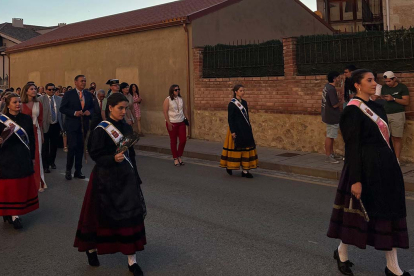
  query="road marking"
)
[{"x": 204, "y": 163}]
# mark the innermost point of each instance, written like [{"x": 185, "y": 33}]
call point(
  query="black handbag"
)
[{"x": 186, "y": 122}]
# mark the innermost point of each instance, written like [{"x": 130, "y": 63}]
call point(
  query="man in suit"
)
[
  {"x": 52, "y": 126},
  {"x": 97, "y": 102},
  {"x": 77, "y": 106}
]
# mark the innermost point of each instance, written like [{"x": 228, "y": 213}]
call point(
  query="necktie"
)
[
  {"x": 52, "y": 108},
  {"x": 81, "y": 99}
]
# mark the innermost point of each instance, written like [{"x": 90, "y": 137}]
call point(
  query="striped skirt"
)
[{"x": 233, "y": 159}]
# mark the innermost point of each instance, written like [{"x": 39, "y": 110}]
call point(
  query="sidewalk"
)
[{"x": 297, "y": 162}]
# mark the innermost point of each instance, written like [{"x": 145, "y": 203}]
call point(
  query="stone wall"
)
[{"x": 285, "y": 111}]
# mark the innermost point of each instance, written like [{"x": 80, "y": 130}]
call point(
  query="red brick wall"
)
[{"x": 289, "y": 94}]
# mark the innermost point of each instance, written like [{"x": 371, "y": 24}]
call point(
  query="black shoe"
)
[
  {"x": 17, "y": 224},
  {"x": 68, "y": 175},
  {"x": 46, "y": 170},
  {"x": 93, "y": 258},
  {"x": 389, "y": 273},
  {"x": 343, "y": 267},
  {"x": 247, "y": 175},
  {"x": 53, "y": 166},
  {"x": 230, "y": 172},
  {"x": 178, "y": 162},
  {"x": 79, "y": 175},
  {"x": 136, "y": 270},
  {"x": 8, "y": 219}
]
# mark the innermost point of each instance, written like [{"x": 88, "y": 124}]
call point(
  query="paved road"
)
[{"x": 200, "y": 222}]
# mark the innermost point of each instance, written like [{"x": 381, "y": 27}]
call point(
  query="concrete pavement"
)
[
  {"x": 200, "y": 222},
  {"x": 297, "y": 162}
]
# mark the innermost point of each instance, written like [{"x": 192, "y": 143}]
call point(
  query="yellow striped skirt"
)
[{"x": 234, "y": 159}]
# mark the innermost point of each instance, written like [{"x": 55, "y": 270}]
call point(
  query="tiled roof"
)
[
  {"x": 157, "y": 15},
  {"x": 21, "y": 34}
]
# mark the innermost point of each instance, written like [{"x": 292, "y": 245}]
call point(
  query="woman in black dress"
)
[
  {"x": 239, "y": 148},
  {"x": 113, "y": 211},
  {"x": 18, "y": 192},
  {"x": 371, "y": 178}
]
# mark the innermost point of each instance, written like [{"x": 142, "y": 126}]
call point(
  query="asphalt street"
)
[{"x": 200, "y": 221}]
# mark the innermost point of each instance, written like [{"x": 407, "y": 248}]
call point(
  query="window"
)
[{"x": 345, "y": 10}]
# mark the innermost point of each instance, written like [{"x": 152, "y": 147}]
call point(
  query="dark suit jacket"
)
[
  {"x": 97, "y": 115},
  {"x": 70, "y": 104}
]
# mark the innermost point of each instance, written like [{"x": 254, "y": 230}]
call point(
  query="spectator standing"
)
[
  {"x": 18, "y": 91},
  {"x": 41, "y": 90},
  {"x": 114, "y": 88},
  {"x": 134, "y": 91},
  {"x": 92, "y": 91},
  {"x": 97, "y": 105},
  {"x": 77, "y": 106},
  {"x": 347, "y": 85},
  {"x": 175, "y": 115},
  {"x": 331, "y": 115},
  {"x": 397, "y": 97},
  {"x": 32, "y": 107},
  {"x": 129, "y": 117},
  {"x": 52, "y": 127}
]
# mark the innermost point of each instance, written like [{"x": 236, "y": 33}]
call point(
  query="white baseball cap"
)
[{"x": 389, "y": 75}]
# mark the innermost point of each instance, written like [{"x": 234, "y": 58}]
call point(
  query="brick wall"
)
[
  {"x": 285, "y": 111},
  {"x": 290, "y": 94}
]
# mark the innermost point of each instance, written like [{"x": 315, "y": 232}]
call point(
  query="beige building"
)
[
  {"x": 152, "y": 47},
  {"x": 359, "y": 15},
  {"x": 12, "y": 34}
]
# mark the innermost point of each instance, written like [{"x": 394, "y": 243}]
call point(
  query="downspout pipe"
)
[
  {"x": 387, "y": 3},
  {"x": 189, "y": 107}
]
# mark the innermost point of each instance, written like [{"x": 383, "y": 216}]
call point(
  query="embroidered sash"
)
[
  {"x": 115, "y": 135},
  {"x": 18, "y": 130},
  {"x": 382, "y": 125},
  {"x": 242, "y": 110}
]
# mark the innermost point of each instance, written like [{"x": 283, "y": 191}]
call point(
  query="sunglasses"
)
[
  {"x": 51, "y": 90},
  {"x": 177, "y": 89}
]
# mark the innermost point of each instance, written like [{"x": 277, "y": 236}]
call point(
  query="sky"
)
[{"x": 52, "y": 12}]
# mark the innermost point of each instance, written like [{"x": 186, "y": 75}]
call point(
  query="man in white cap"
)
[{"x": 397, "y": 97}]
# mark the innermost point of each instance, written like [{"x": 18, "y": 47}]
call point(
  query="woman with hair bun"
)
[
  {"x": 369, "y": 207},
  {"x": 239, "y": 148},
  {"x": 113, "y": 211}
]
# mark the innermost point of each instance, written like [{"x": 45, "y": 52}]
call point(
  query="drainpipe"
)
[
  {"x": 388, "y": 14},
  {"x": 8, "y": 81},
  {"x": 189, "y": 109},
  {"x": 2, "y": 56}
]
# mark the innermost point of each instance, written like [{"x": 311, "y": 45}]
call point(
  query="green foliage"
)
[
  {"x": 251, "y": 60},
  {"x": 376, "y": 50}
]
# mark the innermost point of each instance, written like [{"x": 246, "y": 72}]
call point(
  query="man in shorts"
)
[
  {"x": 330, "y": 115},
  {"x": 397, "y": 97}
]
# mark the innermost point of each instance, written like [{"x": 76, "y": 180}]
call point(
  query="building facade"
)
[
  {"x": 12, "y": 34},
  {"x": 360, "y": 15}
]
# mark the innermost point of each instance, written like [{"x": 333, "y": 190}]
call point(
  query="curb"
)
[{"x": 409, "y": 187}]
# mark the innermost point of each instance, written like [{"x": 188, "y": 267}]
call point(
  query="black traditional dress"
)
[
  {"x": 369, "y": 159},
  {"x": 239, "y": 152},
  {"x": 113, "y": 211},
  {"x": 18, "y": 189}
]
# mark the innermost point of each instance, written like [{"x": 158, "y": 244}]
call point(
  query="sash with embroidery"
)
[
  {"x": 115, "y": 135},
  {"x": 242, "y": 109},
  {"x": 382, "y": 125},
  {"x": 18, "y": 130}
]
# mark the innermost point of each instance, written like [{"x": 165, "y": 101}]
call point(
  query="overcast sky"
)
[{"x": 52, "y": 12}]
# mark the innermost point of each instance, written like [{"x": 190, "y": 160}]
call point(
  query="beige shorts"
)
[
  {"x": 332, "y": 131},
  {"x": 396, "y": 122}
]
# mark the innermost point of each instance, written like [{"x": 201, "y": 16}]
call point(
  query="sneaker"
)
[
  {"x": 330, "y": 159},
  {"x": 337, "y": 156}
]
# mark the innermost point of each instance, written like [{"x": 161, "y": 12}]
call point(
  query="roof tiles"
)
[{"x": 134, "y": 19}]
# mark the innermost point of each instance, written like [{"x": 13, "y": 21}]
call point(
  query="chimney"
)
[
  {"x": 61, "y": 24},
  {"x": 17, "y": 22}
]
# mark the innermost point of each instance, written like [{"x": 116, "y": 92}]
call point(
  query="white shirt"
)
[
  {"x": 378, "y": 90},
  {"x": 175, "y": 110}
]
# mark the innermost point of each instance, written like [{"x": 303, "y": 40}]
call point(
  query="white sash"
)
[
  {"x": 18, "y": 130},
  {"x": 242, "y": 109},
  {"x": 115, "y": 135},
  {"x": 35, "y": 115}
]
